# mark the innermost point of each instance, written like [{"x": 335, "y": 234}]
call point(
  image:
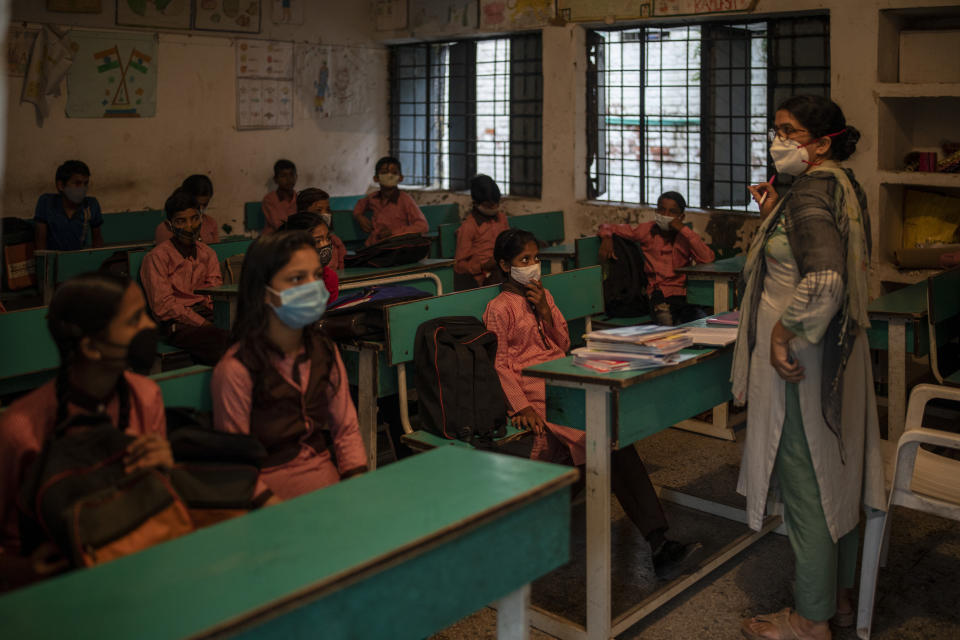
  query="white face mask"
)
[
  {"x": 388, "y": 179},
  {"x": 487, "y": 212},
  {"x": 789, "y": 157},
  {"x": 663, "y": 221},
  {"x": 526, "y": 275}
]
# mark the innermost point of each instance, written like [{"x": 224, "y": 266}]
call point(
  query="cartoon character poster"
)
[
  {"x": 114, "y": 75},
  {"x": 335, "y": 81}
]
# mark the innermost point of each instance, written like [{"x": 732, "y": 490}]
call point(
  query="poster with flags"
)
[{"x": 114, "y": 75}]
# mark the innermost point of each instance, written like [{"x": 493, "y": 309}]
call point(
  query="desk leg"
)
[
  {"x": 721, "y": 295},
  {"x": 896, "y": 377},
  {"x": 599, "y": 590},
  {"x": 513, "y": 615},
  {"x": 367, "y": 403},
  {"x": 48, "y": 278}
]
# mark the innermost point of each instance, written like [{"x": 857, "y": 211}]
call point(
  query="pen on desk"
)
[{"x": 763, "y": 198}]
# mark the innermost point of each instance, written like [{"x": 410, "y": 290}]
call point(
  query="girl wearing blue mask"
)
[{"x": 283, "y": 380}]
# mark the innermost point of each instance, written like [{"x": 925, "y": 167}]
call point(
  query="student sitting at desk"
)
[
  {"x": 394, "y": 212},
  {"x": 172, "y": 272},
  {"x": 530, "y": 330},
  {"x": 318, "y": 201},
  {"x": 282, "y": 381},
  {"x": 473, "y": 262},
  {"x": 62, "y": 220},
  {"x": 667, "y": 245},
  {"x": 316, "y": 225},
  {"x": 201, "y": 188},
  {"x": 280, "y": 204}
]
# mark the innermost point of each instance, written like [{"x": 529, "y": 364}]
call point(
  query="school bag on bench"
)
[
  {"x": 625, "y": 281},
  {"x": 458, "y": 390},
  {"x": 358, "y": 313},
  {"x": 397, "y": 250}
]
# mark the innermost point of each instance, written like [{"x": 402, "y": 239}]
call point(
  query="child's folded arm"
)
[{"x": 701, "y": 252}]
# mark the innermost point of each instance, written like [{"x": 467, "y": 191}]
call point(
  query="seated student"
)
[
  {"x": 666, "y": 244},
  {"x": 172, "y": 272},
  {"x": 280, "y": 204},
  {"x": 473, "y": 262},
  {"x": 316, "y": 225},
  {"x": 283, "y": 381},
  {"x": 201, "y": 188},
  {"x": 394, "y": 212},
  {"x": 318, "y": 201},
  {"x": 62, "y": 219},
  {"x": 530, "y": 329}
]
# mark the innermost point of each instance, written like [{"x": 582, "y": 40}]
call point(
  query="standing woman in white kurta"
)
[{"x": 802, "y": 364}]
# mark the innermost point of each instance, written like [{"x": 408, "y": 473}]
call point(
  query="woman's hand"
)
[
  {"x": 147, "y": 451},
  {"x": 606, "y": 249},
  {"x": 537, "y": 297},
  {"x": 529, "y": 420},
  {"x": 781, "y": 359},
  {"x": 766, "y": 196}
]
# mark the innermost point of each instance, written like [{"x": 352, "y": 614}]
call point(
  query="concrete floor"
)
[{"x": 917, "y": 596}]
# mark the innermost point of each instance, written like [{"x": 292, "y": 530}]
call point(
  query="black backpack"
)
[
  {"x": 403, "y": 249},
  {"x": 458, "y": 390},
  {"x": 625, "y": 281}
]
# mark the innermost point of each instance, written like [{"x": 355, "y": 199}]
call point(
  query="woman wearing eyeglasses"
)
[{"x": 802, "y": 362}]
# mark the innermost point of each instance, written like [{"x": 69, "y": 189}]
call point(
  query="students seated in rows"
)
[
  {"x": 280, "y": 204},
  {"x": 101, "y": 326},
  {"x": 282, "y": 380},
  {"x": 201, "y": 188},
  {"x": 667, "y": 245},
  {"x": 473, "y": 262},
  {"x": 530, "y": 329},
  {"x": 393, "y": 212},
  {"x": 171, "y": 274},
  {"x": 69, "y": 219},
  {"x": 318, "y": 228},
  {"x": 318, "y": 201}
]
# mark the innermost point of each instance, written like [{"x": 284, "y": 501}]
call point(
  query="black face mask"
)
[
  {"x": 188, "y": 236},
  {"x": 142, "y": 350},
  {"x": 325, "y": 254}
]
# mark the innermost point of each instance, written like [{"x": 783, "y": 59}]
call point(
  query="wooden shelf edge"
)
[
  {"x": 917, "y": 90},
  {"x": 919, "y": 178}
]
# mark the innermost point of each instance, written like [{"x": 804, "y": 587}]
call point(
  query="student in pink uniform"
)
[
  {"x": 283, "y": 381},
  {"x": 530, "y": 330},
  {"x": 201, "y": 188},
  {"x": 667, "y": 245},
  {"x": 393, "y": 212},
  {"x": 316, "y": 225},
  {"x": 171, "y": 274},
  {"x": 101, "y": 326},
  {"x": 280, "y": 204},
  {"x": 473, "y": 262},
  {"x": 318, "y": 201}
]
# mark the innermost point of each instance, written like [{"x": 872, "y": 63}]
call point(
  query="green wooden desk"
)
[
  {"x": 53, "y": 267},
  {"x": 616, "y": 410},
  {"x": 131, "y": 226},
  {"x": 324, "y": 565},
  {"x": 722, "y": 274},
  {"x": 563, "y": 255},
  {"x": 28, "y": 356}
]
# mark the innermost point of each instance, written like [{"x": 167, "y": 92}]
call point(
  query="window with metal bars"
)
[
  {"x": 687, "y": 108},
  {"x": 466, "y": 107}
]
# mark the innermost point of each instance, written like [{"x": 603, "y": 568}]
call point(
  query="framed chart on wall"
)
[
  {"x": 162, "y": 14},
  {"x": 228, "y": 15}
]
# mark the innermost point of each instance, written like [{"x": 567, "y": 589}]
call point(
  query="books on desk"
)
[
  {"x": 645, "y": 339},
  {"x": 728, "y": 319},
  {"x": 607, "y": 361},
  {"x": 716, "y": 336}
]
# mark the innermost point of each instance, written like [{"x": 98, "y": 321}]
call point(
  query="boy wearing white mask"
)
[
  {"x": 64, "y": 220},
  {"x": 393, "y": 212},
  {"x": 666, "y": 245},
  {"x": 473, "y": 264}
]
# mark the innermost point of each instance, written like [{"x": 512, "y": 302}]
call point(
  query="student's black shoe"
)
[{"x": 670, "y": 558}]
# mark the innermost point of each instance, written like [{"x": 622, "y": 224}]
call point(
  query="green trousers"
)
[{"x": 821, "y": 564}]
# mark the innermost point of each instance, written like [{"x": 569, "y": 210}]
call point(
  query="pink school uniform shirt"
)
[
  {"x": 276, "y": 211},
  {"x": 523, "y": 341},
  {"x": 25, "y": 425},
  {"x": 209, "y": 232},
  {"x": 170, "y": 279},
  {"x": 398, "y": 215},
  {"x": 232, "y": 388},
  {"x": 660, "y": 257},
  {"x": 475, "y": 242},
  {"x": 339, "y": 253}
]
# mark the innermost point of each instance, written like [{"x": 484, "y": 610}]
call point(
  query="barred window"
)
[
  {"x": 466, "y": 107},
  {"x": 686, "y": 108}
]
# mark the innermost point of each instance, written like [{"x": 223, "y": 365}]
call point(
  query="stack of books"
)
[{"x": 632, "y": 348}]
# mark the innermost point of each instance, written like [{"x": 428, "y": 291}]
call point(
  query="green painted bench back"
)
[
  {"x": 587, "y": 251},
  {"x": 27, "y": 349},
  {"x": 943, "y": 296},
  {"x": 73, "y": 263},
  {"x": 547, "y": 226},
  {"x": 344, "y": 203},
  {"x": 131, "y": 226},
  {"x": 437, "y": 214},
  {"x": 448, "y": 239},
  {"x": 187, "y": 387},
  {"x": 578, "y": 294},
  {"x": 253, "y": 218},
  {"x": 347, "y": 229}
]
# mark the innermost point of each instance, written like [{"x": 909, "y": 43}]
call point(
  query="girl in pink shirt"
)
[
  {"x": 283, "y": 381},
  {"x": 473, "y": 262},
  {"x": 101, "y": 326},
  {"x": 316, "y": 226},
  {"x": 530, "y": 330}
]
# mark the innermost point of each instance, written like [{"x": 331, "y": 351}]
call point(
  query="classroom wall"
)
[{"x": 136, "y": 163}]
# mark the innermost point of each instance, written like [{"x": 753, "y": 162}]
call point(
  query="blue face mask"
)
[{"x": 301, "y": 305}]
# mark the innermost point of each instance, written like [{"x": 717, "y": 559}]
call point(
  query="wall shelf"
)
[
  {"x": 914, "y": 90},
  {"x": 920, "y": 178}
]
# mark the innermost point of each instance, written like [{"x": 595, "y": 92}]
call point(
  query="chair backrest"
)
[
  {"x": 187, "y": 387},
  {"x": 253, "y": 218},
  {"x": 131, "y": 226},
  {"x": 27, "y": 346},
  {"x": 437, "y": 214},
  {"x": 344, "y": 203},
  {"x": 547, "y": 226},
  {"x": 578, "y": 294},
  {"x": 448, "y": 239}
]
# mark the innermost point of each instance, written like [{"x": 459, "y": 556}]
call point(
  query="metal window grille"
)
[{"x": 686, "y": 108}]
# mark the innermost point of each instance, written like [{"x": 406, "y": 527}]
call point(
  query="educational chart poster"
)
[
  {"x": 603, "y": 10},
  {"x": 264, "y": 59},
  {"x": 264, "y": 84},
  {"x": 114, "y": 75},
  {"x": 391, "y": 14},
  {"x": 19, "y": 43},
  {"x": 228, "y": 15},
  {"x": 288, "y": 11},
  {"x": 161, "y": 14},
  {"x": 335, "y": 81},
  {"x": 695, "y": 7},
  {"x": 437, "y": 17},
  {"x": 515, "y": 14}
]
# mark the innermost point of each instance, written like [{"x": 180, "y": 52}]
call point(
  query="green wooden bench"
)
[
  {"x": 350, "y": 561},
  {"x": 30, "y": 357},
  {"x": 187, "y": 387},
  {"x": 577, "y": 294},
  {"x": 253, "y": 218},
  {"x": 347, "y": 229},
  {"x": 344, "y": 203},
  {"x": 943, "y": 316},
  {"x": 131, "y": 227},
  {"x": 547, "y": 226}
]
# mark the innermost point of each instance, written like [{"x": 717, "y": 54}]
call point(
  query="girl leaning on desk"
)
[{"x": 802, "y": 362}]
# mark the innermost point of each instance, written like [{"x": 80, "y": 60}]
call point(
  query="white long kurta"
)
[{"x": 844, "y": 486}]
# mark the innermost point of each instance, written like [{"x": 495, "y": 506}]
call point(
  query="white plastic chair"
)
[{"x": 921, "y": 480}]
